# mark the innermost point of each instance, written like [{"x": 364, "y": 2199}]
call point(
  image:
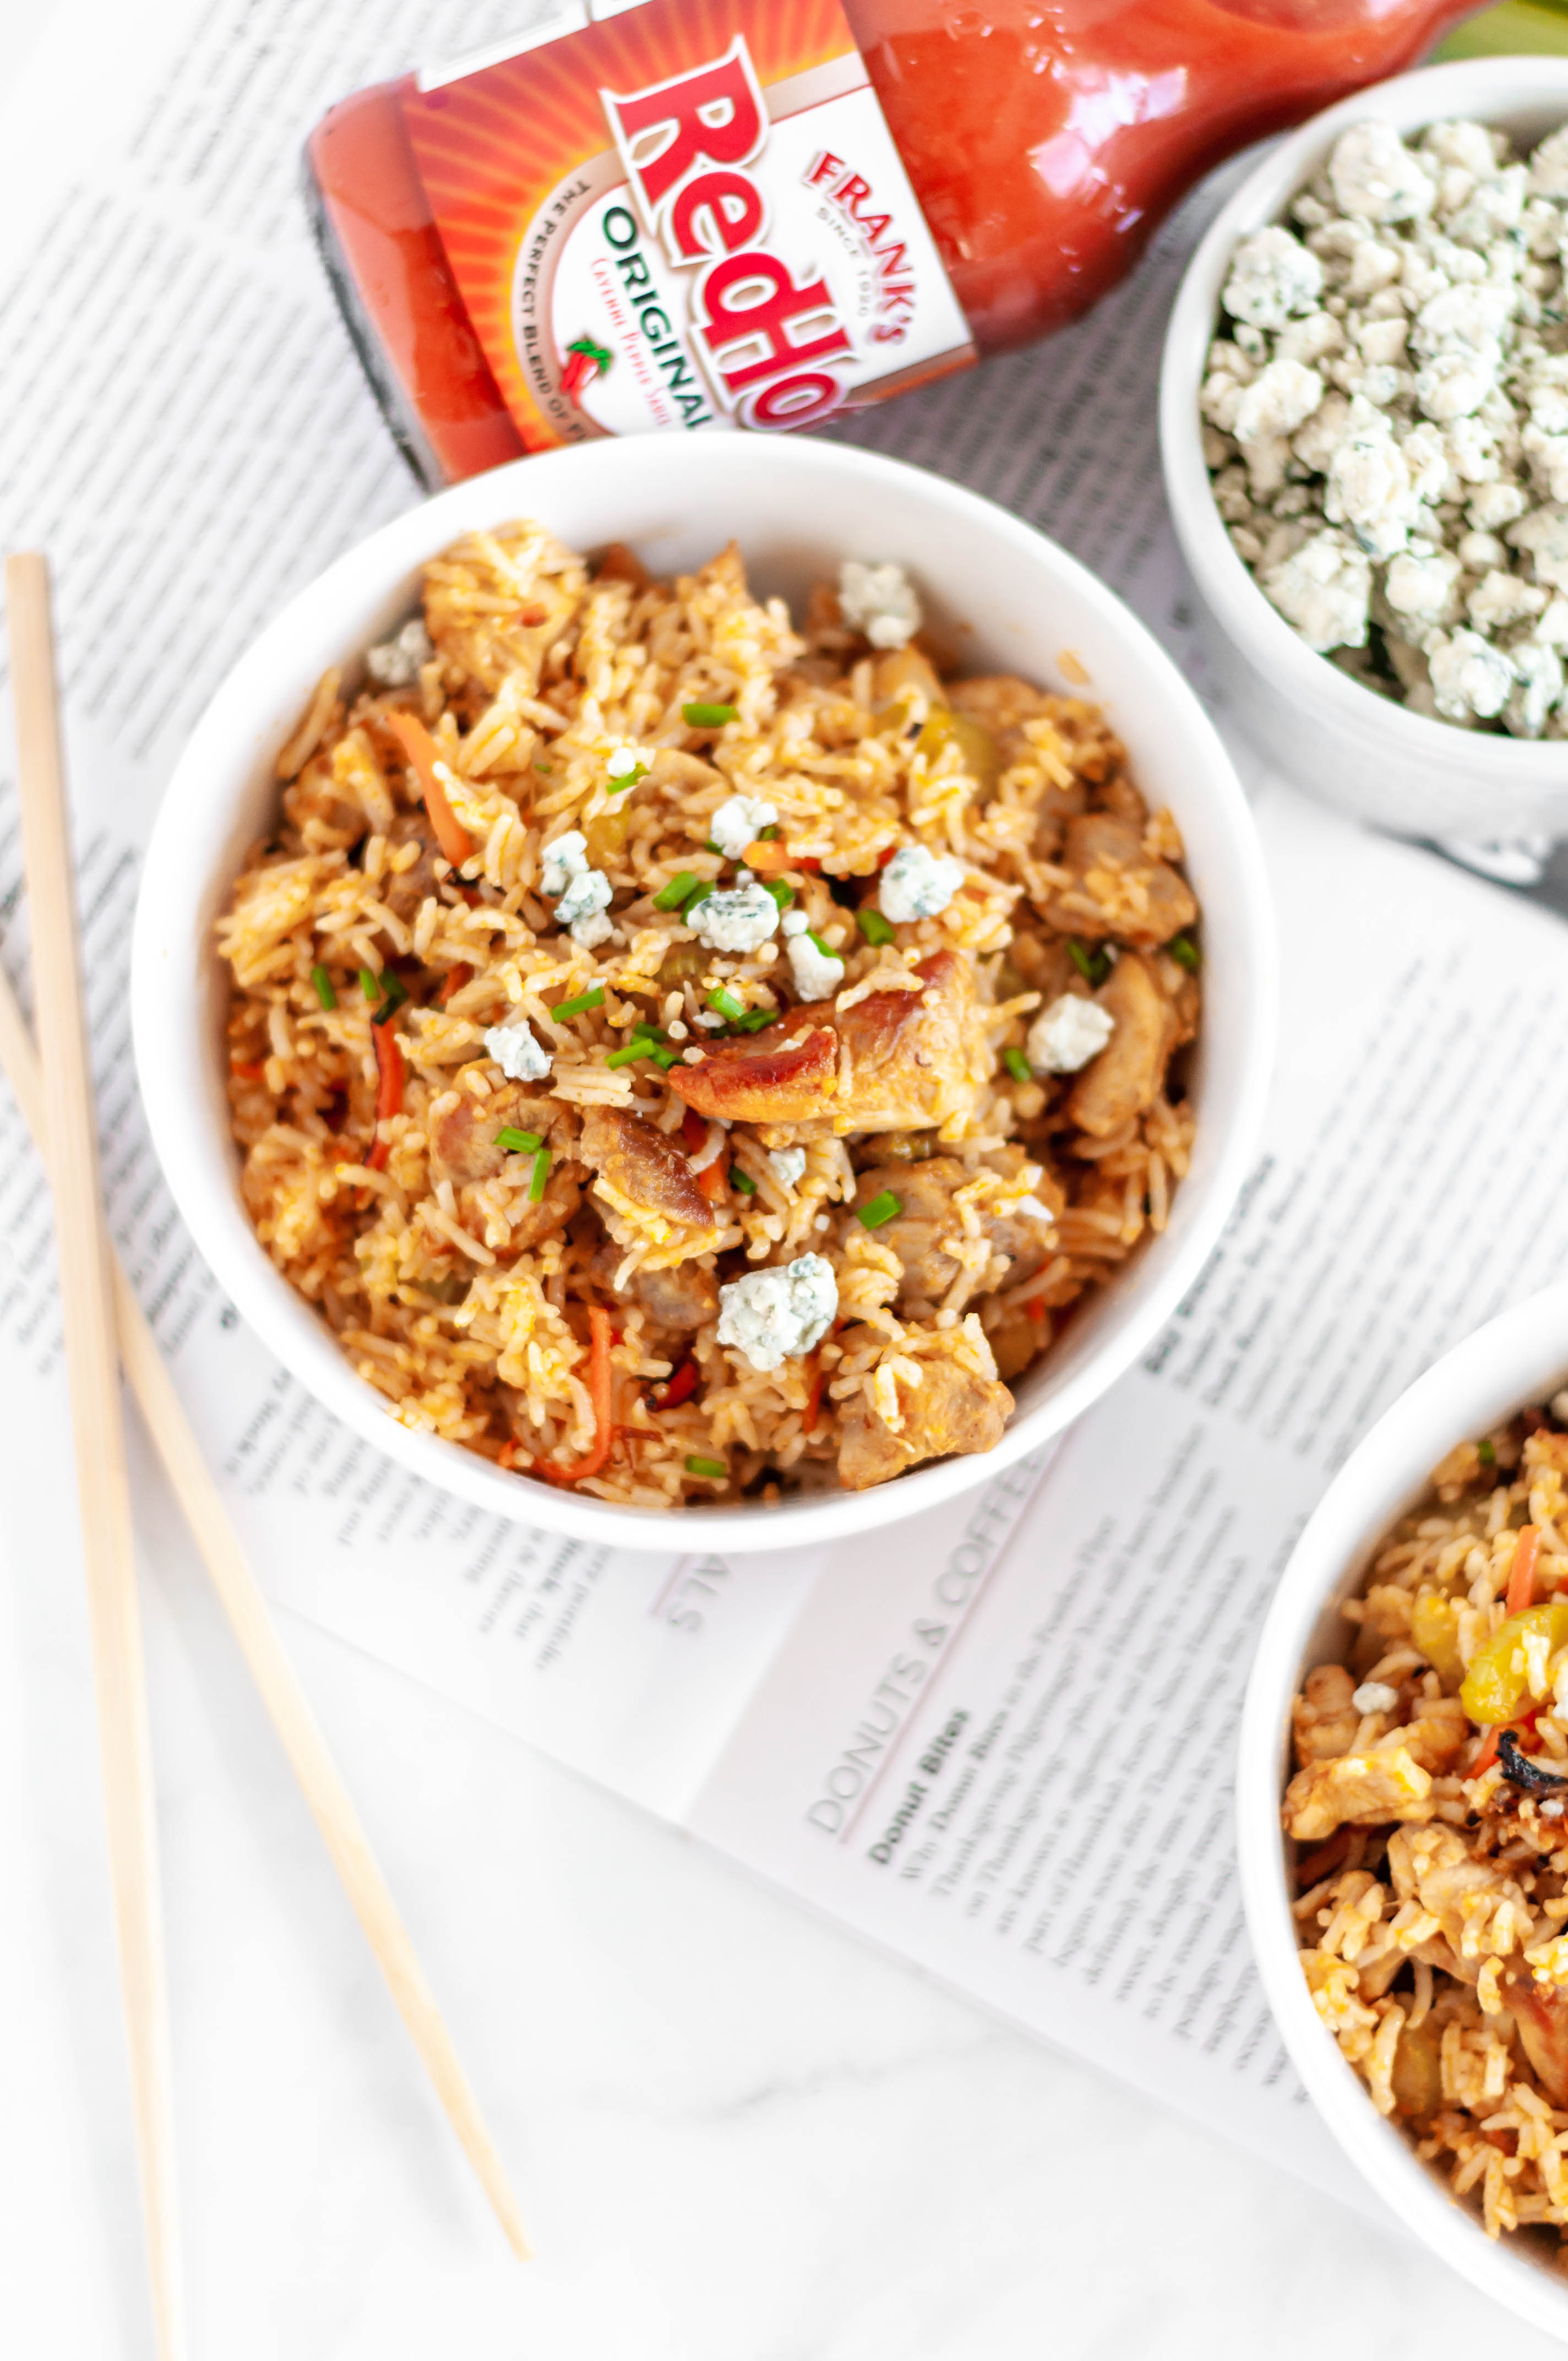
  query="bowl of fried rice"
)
[
  {"x": 1402, "y": 1808},
  {"x": 724, "y": 976}
]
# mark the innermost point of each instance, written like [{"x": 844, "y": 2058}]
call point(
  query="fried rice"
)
[
  {"x": 1430, "y": 1805},
  {"x": 679, "y": 1169}
]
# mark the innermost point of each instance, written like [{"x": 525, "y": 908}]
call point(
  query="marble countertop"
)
[{"x": 736, "y": 2131}]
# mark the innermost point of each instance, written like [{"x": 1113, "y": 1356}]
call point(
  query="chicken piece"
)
[
  {"x": 949, "y": 1411},
  {"x": 682, "y": 1297},
  {"x": 1119, "y": 797},
  {"x": 1125, "y": 1077},
  {"x": 403, "y": 891},
  {"x": 927, "y": 1215},
  {"x": 1479, "y": 1908},
  {"x": 1324, "y": 1721},
  {"x": 462, "y": 1130},
  {"x": 620, "y": 563},
  {"x": 909, "y": 1054},
  {"x": 1000, "y": 702},
  {"x": 1385, "y": 1783},
  {"x": 1438, "y": 1735},
  {"x": 646, "y": 1188},
  {"x": 1116, "y": 888},
  {"x": 1541, "y": 2015}
]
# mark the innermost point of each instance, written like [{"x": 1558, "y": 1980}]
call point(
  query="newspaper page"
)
[{"x": 189, "y": 437}]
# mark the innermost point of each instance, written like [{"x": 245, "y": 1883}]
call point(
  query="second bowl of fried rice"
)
[
  {"x": 1402, "y": 1784},
  {"x": 723, "y": 978}
]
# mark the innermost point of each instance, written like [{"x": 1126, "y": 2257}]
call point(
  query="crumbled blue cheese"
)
[
  {"x": 879, "y": 600},
  {"x": 520, "y": 1058},
  {"x": 774, "y": 1315},
  {"x": 1064, "y": 1037},
  {"x": 738, "y": 821},
  {"x": 395, "y": 663},
  {"x": 788, "y": 1167},
  {"x": 585, "y": 894},
  {"x": 917, "y": 884},
  {"x": 740, "y": 918},
  {"x": 818, "y": 973},
  {"x": 1419, "y": 506}
]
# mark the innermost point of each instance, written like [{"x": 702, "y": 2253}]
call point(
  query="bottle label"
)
[{"x": 683, "y": 218}]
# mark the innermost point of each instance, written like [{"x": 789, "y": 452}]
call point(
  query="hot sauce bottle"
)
[{"x": 693, "y": 215}]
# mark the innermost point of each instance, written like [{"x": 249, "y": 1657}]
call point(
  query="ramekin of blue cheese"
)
[{"x": 1321, "y": 715}]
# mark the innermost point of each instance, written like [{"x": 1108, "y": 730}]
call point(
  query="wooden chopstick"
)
[
  {"x": 103, "y": 1489},
  {"x": 242, "y": 1601}
]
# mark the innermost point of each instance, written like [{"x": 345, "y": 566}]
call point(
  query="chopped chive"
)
[
  {"x": 873, "y": 925},
  {"x": 322, "y": 982},
  {"x": 369, "y": 984},
  {"x": 540, "y": 1171},
  {"x": 638, "y": 1047},
  {"x": 665, "y": 1059},
  {"x": 742, "y": 1180},
  {"x": 1486, "y": 1452},
  {"x": 756, "y": 1020},
  {"x": 881, "y": 1209},
  {"x": 708, "y": 886},
  {"x": 1184, "y": 953},
  {"x": 727, "y": 1003},
  {"x": 517, "y": 1143},
  {"x": 707, "y": 717},
  {"x": 624, "y": 779},
  {"x": 1093, "y": 966},
  {"x": 769, "y": 835},
  {"x": 714, "y": 1467},
  {"x": 397, "y": 992},
  {"x": 679, "y": 890},
  {"x": 711, "y": 847},
  {"x": 826, "y": 949},
  {"x": 579, "y": 1007},
  {"x": 1017, "y": 1065},
  {"x": 783, "y": 894},
  {"x": 648, "y": 1030}
]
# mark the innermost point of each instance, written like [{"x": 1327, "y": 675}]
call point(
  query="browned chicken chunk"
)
[
  {"x": 1116, "y": 888},
  {"x": 910, "y": 1056},
  {"x": 1125, "y": 1077},
  {"x": 403, "y": 891},
  {"x": 647, "y": 1187},
  {"x": 927, "y": 1216},
  {"x": 682, "y": 1297},
  {"x": 949, "y": 1411},
  {"x": 461, "y": 1129}
]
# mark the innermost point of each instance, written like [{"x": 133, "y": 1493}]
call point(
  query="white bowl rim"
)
[
  {"x": 1507, "y": 1362},
  {"x": 1490, "y": 86},
  {"x": 161, "y": 1016}
]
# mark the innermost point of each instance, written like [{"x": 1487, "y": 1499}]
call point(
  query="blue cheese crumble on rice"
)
[{"x": 770, "y": 1316}]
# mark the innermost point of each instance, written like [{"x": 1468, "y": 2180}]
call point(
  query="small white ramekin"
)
[
  {"x": 1519, "y": 1358},
  {"x": 1001, "y": 594},
  {"x": 1334, "y": 738}
]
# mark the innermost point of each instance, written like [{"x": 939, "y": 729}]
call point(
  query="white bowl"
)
[
  {"x": 1519, "y": 1358},
  {"x": 1334, "y": 738},
  {"x": 1008, "y": 598}
]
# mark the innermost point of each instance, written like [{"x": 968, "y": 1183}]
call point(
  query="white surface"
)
[
  {"x": 740, "y": 2135},
  {"x": 1334, "y": 738},
  {"x": 1017, "y": 599},
  {"x": 1517, "y": 1358}
]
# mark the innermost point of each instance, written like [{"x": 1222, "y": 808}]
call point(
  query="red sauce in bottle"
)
[{"x": 1033, "y": 149}]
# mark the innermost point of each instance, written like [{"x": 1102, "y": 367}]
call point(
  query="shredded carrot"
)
[
  {"x": 598, "y": 1388},
  {"x": 710, "y": 1180},
  {"x": 420, "y": 747},
  {"x": 767, "y": 857},
  {"x": 456, "y": 978},
  {"x": 693, "y": 1129},
  {"x": 1035, "y": 1307},
  {"x": 245, "y": 1071},
  {"x": 389, "y": 1090},
  {"x": 808, "y": 1416},
  {"x": 531, "y": 615},
  {"x": 507, "y": 1455},
  {"x": 1521, "y": 1573}
]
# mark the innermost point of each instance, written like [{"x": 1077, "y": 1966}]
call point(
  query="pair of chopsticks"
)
[{"x": 105, "y": 1330}]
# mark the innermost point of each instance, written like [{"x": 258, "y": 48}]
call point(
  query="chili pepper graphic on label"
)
[{"x": 585, "y": 361}]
